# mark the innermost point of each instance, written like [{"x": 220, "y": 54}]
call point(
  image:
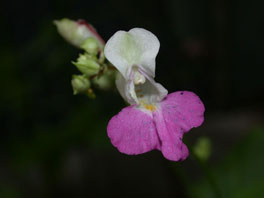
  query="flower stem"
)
[{"x": 207, "y": 172}]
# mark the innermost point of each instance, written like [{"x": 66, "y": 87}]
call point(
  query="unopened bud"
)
[
  {"x": 87, "y": 65},
  {"x": 75, "y": 32},
  {"x": 106, "y": 80},
  {"x": 202, "y": 148},
  {"x": 90, "y": 46},
  {"x": 80, "y": 84}
]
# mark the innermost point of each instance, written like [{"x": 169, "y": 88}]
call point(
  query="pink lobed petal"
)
[
  {"x": 170, "y": 136},
  {"x": 133, "y": 131},
  {"x": 184, "y": 108},
  {"x": 179, "y": 112}
]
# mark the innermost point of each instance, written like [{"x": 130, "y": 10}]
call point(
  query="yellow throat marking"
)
[{"x": 149, "y": 107}]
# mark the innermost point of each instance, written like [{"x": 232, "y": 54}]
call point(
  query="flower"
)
[
  {"x": 75, "y": 32},
  {"x": 154, "y": 119}
]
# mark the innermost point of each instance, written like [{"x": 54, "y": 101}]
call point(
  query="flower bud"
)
[
  {"x": 80, "y": 84},
  {"x": 87, "y": 65},
  {"x": 202, "y": 148},
  {"x": 90, "y": 46},
  {"x": 75, "y": 32},
  {"x": 105, "y": 81}
]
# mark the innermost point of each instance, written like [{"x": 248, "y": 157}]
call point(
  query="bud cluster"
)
[{"x": 95, "y": 70}]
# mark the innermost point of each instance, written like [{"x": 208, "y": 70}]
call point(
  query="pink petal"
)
[
  {"x": 170, "y": 136},
  {"x": 184, "y": 108},
  {"x": 132, "y": 131},
  {"x": 179, "y": 112}
]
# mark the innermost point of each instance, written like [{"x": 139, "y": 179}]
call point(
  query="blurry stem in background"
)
[
  {"x": 207, "y": 172},
  {"x": 175, "y": 172},
  {"x": 178, "y": 172}
]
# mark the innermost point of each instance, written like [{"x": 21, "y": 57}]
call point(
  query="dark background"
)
[{"x": 54, "y": 144}]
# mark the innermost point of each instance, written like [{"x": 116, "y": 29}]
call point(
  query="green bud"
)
[
  {"x": 80, "y": 84},
  {"x": 202, "y": 148},
  {"x": 101, "y": 58},
  {"x": 70, "y": 31},
  {"x": 90, "y": 46},
  {"x": 87, "y": 65},
  {"x": 106, "y": 80}
]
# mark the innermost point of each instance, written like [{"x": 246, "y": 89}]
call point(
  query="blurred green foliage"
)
[{"x": 240, "y": 174}]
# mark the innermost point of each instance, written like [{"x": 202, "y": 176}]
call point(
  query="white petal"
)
[
  {"x": 136, "y": 47},
  {"x": 121, "y": 85},
  {"x": 150, "y": 92},
  {"x": 149, "y": 45},
  {"x": 126, "y": 89}
]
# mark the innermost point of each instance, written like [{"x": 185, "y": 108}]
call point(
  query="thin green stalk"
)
[{"x": 206, "y": 169}]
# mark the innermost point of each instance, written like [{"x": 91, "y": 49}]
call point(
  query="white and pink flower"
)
[{"x": 155, "y": 120}]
